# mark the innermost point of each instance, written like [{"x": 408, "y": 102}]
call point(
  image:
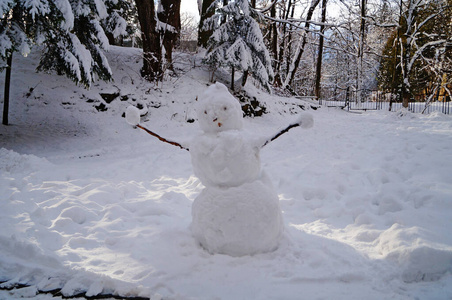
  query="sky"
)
[{"x": 190, "y": 6}]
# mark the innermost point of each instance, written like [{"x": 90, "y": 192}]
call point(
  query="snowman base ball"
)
[{"x": 238, "y": 221}]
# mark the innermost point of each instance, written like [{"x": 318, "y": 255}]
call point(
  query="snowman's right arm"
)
[{"x": 161, "y": 138}]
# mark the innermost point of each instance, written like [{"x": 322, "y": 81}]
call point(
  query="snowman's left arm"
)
[
  {"x": 305, "y": 121},
  {"x": 279, "y": 134}
]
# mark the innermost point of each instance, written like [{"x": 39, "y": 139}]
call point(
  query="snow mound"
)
[
  {"x": 238, "y": 221},
  {"x": 306, "y": 120},
  {"x": 13, "y": 162},
  {"x": 438, "y": 116},
  {"x": 419, "y": 259},
  {"x": 425, "y": 263}
]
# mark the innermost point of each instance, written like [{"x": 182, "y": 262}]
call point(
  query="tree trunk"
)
[
  {"x": 284, "y": 42},
  {"x": 152, "y": 52},
  {"x": 9, "y": 62},
  {"x": 405, "y": 55},
  {"x": 244, "y": 77},
  {"x": 274, "y": 47},
  {"x": 318, "y": 69},
  {"x": 203, "y": 33},
  {"x": 223, "y": 18},
  {"x": 232, "y": 77},
  {"x": 274, "y": 35},
  {"x": 294, "y": 66},
  {"x": 395, "y": 62},
  {"x": 362, "y": 41},
  {"x": 289, "y": 40},
  {"x": 170, "y": 14}
]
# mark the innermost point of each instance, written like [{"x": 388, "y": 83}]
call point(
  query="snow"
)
[
  {"x": 37, "y": 7},
  {"x": 5, "y": 6},
  {"x": 305, "y": 120},
  {"x": 90, "y": 204},
  {"x": 65, "y": 8},
  {"x": 5, "y": 44},
  {"x": 101, "y": 9}
]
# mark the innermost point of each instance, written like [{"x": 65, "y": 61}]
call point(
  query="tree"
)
[
  {"x": 169, "y": 15},
  {"x": 426, "y": 37},
  {"x": 152, "y": 50},
  {"x": 361, "y": 44},
  {"x": 301, "y": 46},
  {"x": 189, "y": 27},
  {"x": 204, "y": 30},
  {"x": 419, "y": 52},
  {"x": 239, "y": 44},
  {"x": 318, "y": 70},
  {"x": 116, "y": 24},
  {"x": 70, "y": 32}
]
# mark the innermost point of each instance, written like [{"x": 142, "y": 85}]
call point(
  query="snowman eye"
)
[
  {"x": 205, "y": 112},
  {"x": 225, "y": 108}
]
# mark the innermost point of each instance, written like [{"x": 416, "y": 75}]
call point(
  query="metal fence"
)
[{"x": 374, "y": 100}]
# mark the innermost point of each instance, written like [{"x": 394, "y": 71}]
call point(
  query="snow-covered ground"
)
[{"x": 90, "y": 205}]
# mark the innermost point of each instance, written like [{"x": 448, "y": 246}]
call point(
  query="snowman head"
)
[{"x": 218, "y": 110}]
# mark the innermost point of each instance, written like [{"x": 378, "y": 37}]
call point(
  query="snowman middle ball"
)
[{"x": 225, "y": 159}]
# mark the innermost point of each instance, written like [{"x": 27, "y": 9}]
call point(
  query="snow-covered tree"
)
[
  {"x": 70, "y": 32},
  {"x": 152, "y": 47},
  {"x": 118, "y": 24},
  {"x": 239, "y": 44},
  {"x": 417, "y": 57},
  {"x": 206, "y": 11},
  {"x": 170, "y": 25}
]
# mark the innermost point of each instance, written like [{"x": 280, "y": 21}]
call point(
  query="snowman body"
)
[{"x": 238, "y": 212}]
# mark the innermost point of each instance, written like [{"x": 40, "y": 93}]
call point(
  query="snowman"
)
[{"x": 238, "y": 212}]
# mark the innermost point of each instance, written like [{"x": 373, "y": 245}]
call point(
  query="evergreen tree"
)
[
  {"x": 426, "y": 53},
  {"x": 70, "y": 32},
  {"x": 238, "y": 43},
  {"x": 389, "y": 73},
  {"x": 120, "y": 14}
]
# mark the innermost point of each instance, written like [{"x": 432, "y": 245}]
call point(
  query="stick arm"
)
[
  {"x": 279, "y": 134},
  {"x": 162, "y": 138},
  {"x": 304, "y": 121},
  {"x": 132, "y": 115}
]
